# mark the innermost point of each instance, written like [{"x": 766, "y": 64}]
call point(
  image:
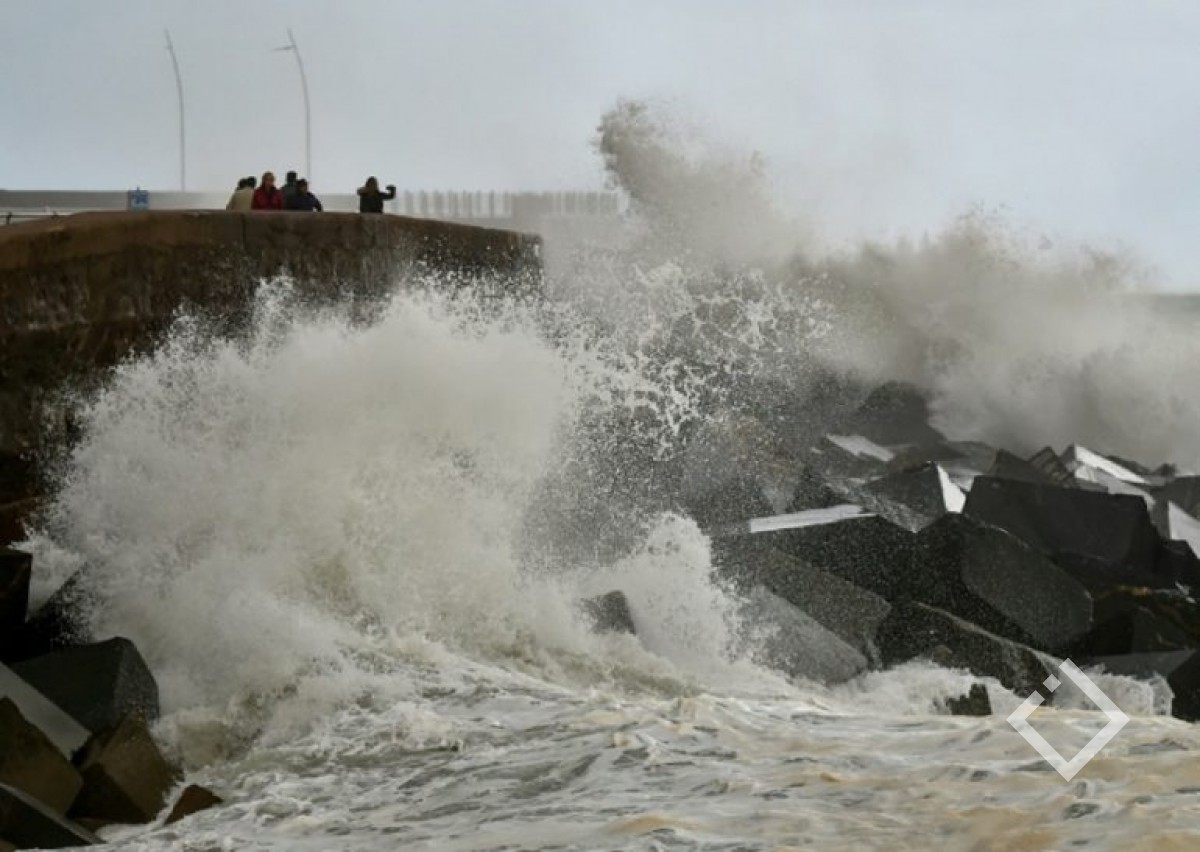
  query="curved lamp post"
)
[
  {"x": 182, "y": 136},
  {"x": 295, "y": 48}
]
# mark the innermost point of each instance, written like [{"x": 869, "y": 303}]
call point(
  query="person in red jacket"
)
[{"x": 267, "y": 197}]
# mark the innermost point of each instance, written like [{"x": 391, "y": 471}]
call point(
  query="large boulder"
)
[
  {"x": 793, "y": 642},
  {"x": 30, "y": 762},
  {"x": 125, "y": 777},
  {"x": 609, "y": 613},
  {"x": 57, "y": 623},
  {"x": 192, "y": 800},
  {"x": 1135, "y": 620},
  {"x": 893, "y": 413},
  {"x": 1184, "y": 492},
  {"x": 1113, "y": 529},
  {"x": 15, "y": 573},
  {"x": 97, "y": 684},
  {"x": 916, "y": 630},
  {"x": 1010, "y": 466},
  {"x": 992, "y": 579},
  {"x": 60, "y": 727},
  {"x": 29, "y": 824},
  {"x": 869, "y": 551},
  {"x": 1181, "y": 669},
  {"x": 850, "y": 612},
  {"x": 913, "y": 499}
]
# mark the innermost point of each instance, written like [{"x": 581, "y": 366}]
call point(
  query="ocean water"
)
[{"x": 351, "y": 550}]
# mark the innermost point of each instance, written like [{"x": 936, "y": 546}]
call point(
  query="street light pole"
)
[
  {"x": 182, "y": 135},
  {"x": 295, "y": 48}
]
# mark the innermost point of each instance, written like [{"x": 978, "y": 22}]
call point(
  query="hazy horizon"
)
[{"x": 875, "y": 119}]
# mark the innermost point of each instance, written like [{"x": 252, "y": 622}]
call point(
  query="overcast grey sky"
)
[{"x": 1081, "y": 118}]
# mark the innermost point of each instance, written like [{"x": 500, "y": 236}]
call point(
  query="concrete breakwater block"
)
[
  {"x": 975, "y": 702},
  {"x": 913, "y": 499},
  {"x": 789, "y": 640},
  {"x": 916, "y": 630},
  {"x": 15, "y": 573},
  {"x": 96, "y": 684},
  {"x": 61, "y": 728},
  {"x": 28, "y": 824},
  {"x": 30, "y": 762},
  {"x": 869, "y": 551},
  {"x": 125, "y": 777},
  {"x": 850, "y": 612},
  {"x": 192, "y": 800},
  {"x": 1113, "y": 529},
  {"x": 609, "y": 613},
  {"x": 893, "y": 413},
  {"x": 56, "y": 624},
  {"x": 1137, "y": 620},
  {"x": 991, "y": 578}
]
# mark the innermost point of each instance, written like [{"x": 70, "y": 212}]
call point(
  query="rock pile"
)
[
  {"x": 892, "y": 542},
  {"x": 76, "y": 753}
]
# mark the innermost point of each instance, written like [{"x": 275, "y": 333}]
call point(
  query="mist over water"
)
[{"x": 351, "y": 550}]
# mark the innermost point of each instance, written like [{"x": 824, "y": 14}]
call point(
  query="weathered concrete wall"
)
[{"x": 80, "y": 292}]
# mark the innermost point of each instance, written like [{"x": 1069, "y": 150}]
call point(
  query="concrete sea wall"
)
[{"x": 78, "y": 293}]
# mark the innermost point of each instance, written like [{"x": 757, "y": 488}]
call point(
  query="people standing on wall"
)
[
  {"x": 243, "y": 197},
  {"x": 303, "y": 200},
  {"x": 288, "y": 189},
  {"x": 370, "y": 198},
  {"x": 268, "y": 196}
]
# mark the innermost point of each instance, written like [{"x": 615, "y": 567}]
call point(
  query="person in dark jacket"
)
[
  {"x": 370, "y": 198},
  {"x": 267, "y": 196},
  {"x": 303, "y": 200},
  {"x": 289, "y": 190}
]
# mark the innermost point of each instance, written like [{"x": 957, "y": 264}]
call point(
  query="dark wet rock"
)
[
  {"x": 912, "y": 499},
  {"x": 1176, "y": 563},
  {"x": 97, "y": 684},
  {"x": 13, "y": 517},
  {"x": 842, "y": 458},
  {"x": 609, "y": 613},
  {"x": 733, "y": 471},
  {"x": 1048, "y": 463},
  {"x": 125, "y": 777},
  {"x": 192, "y": 800},
  {"x": 973, "y": 456},
  {"x": 61, "y": 728},
  {"x": 975, "y": 702},
  {"x": 1010, "y": 466},
  {"x": 847, "y": 610},
  {"x": 1184, "y": 492},
  {"x": 1112, "y": 529},
  {"x": 1132, "y": 629},
  {"x": 1174, "y": 524},
  {"x": 1134, "y": 620},
  {"x": 991, "y": 578},
  {"x": 791, "y": 641},
  {"x": 30, "y": 762},
  {"x": 56, "y": 624},
  {"x": 29, "y": 824},
  {"x": 815, "y": 490},
  {"x": 893, "y": 413},
  {"x": 1181, "y": 669},
  {"x": 915, "y": 630},
  {"x": 15, "y": 572},
  {"x": 871, "y": 552}
]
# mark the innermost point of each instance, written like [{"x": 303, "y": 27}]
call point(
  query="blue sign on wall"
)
[{"x": 138, "y": 199}]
